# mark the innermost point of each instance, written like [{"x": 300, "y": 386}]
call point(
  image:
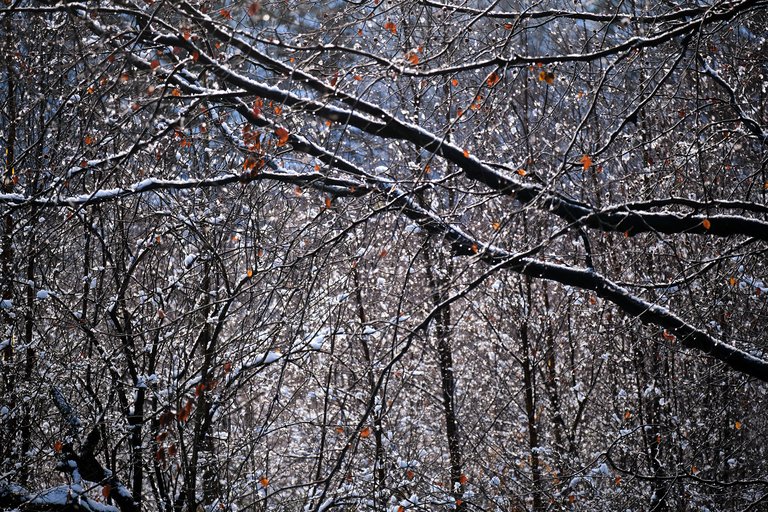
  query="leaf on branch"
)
[
  {"x": 154, "y": 64},
  {"x": 57, "y": 446},
  {"x": 706, "y": 223},
  {"x": 412, "y": 58},
  {"x": 391, "y": 27},
  {"x": 547, "y": 77},
  {"x": 258, "y": 104},
  {"x": 493, "y": 79},
  {"x": 737, "y": 425},
  {"x": 282, "y": 135},
  {"x": 586, "y": 161},
  {"x": 253, "y": 9},
  {"x": 365, "y": 433}
]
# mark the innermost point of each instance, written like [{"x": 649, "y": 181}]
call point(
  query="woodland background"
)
[{"x": 384, "y": 255}]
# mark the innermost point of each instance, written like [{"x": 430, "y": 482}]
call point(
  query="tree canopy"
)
[{"x": 383, "y": 255}]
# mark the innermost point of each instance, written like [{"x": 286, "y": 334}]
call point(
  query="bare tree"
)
[{"x": 383, "y": 255}]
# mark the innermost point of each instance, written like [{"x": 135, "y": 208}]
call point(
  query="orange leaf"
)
[
  {"x": 694, "y": 469},
  {"x": 297, "y": 191},
  {"x": 401, "y": 509},
  {"x": 617, "y": 480},
  {"x": 154, "y": 64},
  {"x": 463, "y": 479},
  {"x": 737, "y": 425},
  {"x": 475, "y": 249},
  {"x": 328, "y": 202},
  {"x": 391, "y": 27},
  {"x": 586, "y": 161},
  {"x": 365, "y": 433},
  {"x": 492, "y": 79},
  {"x": 195, "y": 56},
  {"x": 466, "y": 153},
  {"x": 410, "y": 474},
  {"x": 412, "y": 58},
  {"x": 57, "y": 446},
  {"x": 106, "y": 490},
  {"x": 278, "y": 110},
  {"x": 282, "y": 135},
  {"x": 496, "y": 226},
  {"x": 454, "y": 82},
  {"x": 88, "y": 140},
  {"x": 258, "y": 103},
  {"x": 508, "y": 26},
  {"x": 249, "y": 273},
  {"x": 521, "y": 172},
  {"x": 706, "y": 224},
  {"x": 264, "y": 481},
  {"x": 225, "y": 14},
  {"x": 732, "y": 281},
  {"x": 627, "y": 415},
  {"x": 176, "y": 92},
  {"x": 357, "y": 77},
  {"x": 546, "y": 76}
]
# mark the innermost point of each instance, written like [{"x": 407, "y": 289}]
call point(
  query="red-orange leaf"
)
[
  {"x": 547, "y": 77},
  {"x": 493, "y": 79},
  {"x": 706, "y": 223},
  {"x": 106, "y": 490},
  {"x": 586, "y": 161},
  {"x": 282, "y": 135},
  {"x": 225, "y": 14},
  {"x": 57, "y": 446},
  {"x": 154, "y": 64},
  {"x": 253, "y": 9},
  {"x": 264, "y": 481},
  {"x": 463, "y": 479},
  {"x": 365, "y": 433},
  {"x": 412, "y": 58},
  {"x": 391, "y": 27}
]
